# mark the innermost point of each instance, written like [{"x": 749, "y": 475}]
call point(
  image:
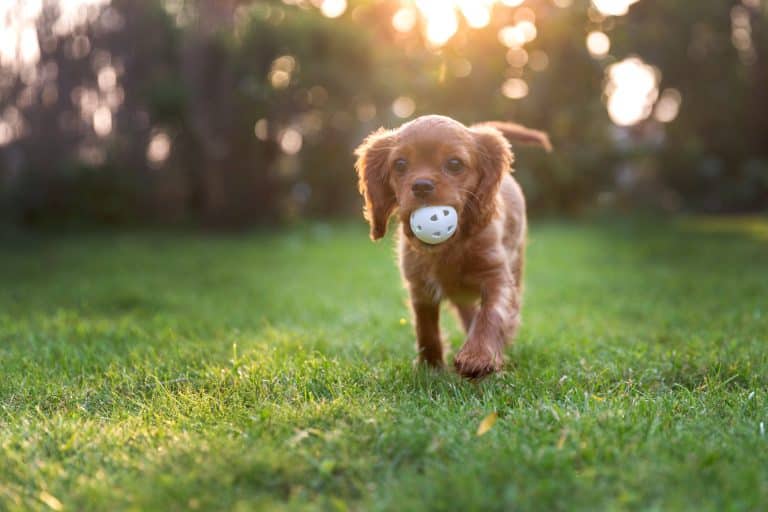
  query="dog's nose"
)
[{"x": 422, "y": 187}]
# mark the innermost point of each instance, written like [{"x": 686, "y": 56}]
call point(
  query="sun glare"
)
[
  {"x": 440, "y": 20},
  {"x": 333, "y": 8},
  {"x": 477, "y": 13},
  {"x": 613, "y": 7}
]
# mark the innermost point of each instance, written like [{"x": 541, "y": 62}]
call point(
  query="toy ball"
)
[{"x": 434, "y": 224}]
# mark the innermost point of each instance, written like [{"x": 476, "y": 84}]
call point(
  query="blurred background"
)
[{"x": 228, "y": 113}]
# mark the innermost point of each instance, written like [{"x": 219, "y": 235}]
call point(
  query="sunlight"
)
[
  {"x": 333, "y": 8},
  {"x": 632, "y": 90},
  {"x": 477, "y": 13},
  {"x": 19, "y": 47},
  {"x": 440, "y": 19},
  {"x": 613, "y": 7},
  {"x": 19, "y": 41}
]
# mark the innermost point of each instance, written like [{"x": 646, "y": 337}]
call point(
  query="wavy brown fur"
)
[{"x": 479, "y": 270}]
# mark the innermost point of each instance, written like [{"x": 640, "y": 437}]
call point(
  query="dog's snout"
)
[{"x": 422, "y": 187}]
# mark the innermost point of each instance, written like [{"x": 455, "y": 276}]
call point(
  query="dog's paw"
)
[{"x": 476, "y": 364}]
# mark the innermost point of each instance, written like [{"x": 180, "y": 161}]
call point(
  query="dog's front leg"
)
[
  {"x": 427, "y": 316},
  {"x": 494, "y": 324}
]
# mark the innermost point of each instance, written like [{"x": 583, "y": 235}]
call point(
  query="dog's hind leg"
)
[{"x": 466, "y": 313}]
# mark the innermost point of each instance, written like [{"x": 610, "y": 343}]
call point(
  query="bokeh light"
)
[
  {"x": 528, "y": 30},
  {"x": 403, "y": 107},
  {"x": 404, "y": 19},
  {"x": 291, "y": 141},
  {"x": 598, "y": 44},
  {"x": 668, "y": 106},
  {"x": 517, "y": 57},
  {"x": 440, "y": 19},
  {"x": 613, "y": 7},
  {"x": 280, "y": 73},
  {"x": 159, "y": 148},
  {"x": 102, "y": 121},
  {"x": 631, "y": 89},
  {"x": 515, "y": 88},
  {"x": 107, "y": 78},
  {"x": 511, "y": 36},
  {"x": 476, "y": 12},
  {"x": 333, "y": 8},
  {"x": 261, "y": 129}
]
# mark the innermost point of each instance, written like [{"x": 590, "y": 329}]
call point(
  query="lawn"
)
[{"x": 171, "y": 371}]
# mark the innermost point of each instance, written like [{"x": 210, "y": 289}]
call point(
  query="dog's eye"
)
[
  {"x": 454, "y": 166},
  {"x": 401, "y": 165}
]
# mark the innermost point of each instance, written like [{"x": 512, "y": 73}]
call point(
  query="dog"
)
[{"x": 435, "y": 160}]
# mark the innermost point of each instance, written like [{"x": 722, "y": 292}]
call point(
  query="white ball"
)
[{"x": 434, "y": 224}]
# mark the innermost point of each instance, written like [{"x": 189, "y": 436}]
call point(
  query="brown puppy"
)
[{"x": 434, "y": 160}]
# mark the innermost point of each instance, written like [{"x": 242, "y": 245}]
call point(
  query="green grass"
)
[{"x": 274, "y": 371}]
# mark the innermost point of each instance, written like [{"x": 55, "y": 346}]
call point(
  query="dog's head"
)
[{"x": 434, "y": 160}]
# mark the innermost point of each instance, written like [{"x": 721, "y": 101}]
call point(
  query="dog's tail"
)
[{"x": 516, "y": 133}]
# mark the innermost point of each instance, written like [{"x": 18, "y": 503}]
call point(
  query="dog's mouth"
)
[{"x": 448, "y": 231}]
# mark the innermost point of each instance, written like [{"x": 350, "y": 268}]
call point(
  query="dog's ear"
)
[
  {"x": 494, "y": 158},
  {"x": 373, "y": 174},
  {"x": 516, "y": 133}
]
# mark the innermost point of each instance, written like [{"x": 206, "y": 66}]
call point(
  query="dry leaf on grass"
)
[
  {"x": 51, "y": 501},
  {"x": 487, "y": 423}
]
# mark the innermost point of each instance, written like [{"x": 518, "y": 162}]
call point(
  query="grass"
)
[{"x": 274, "y": 371}]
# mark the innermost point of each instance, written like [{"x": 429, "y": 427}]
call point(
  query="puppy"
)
[{"x": 435, "y": 160}]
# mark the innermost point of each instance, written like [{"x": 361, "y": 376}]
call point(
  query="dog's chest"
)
[{"x": 451, "y": 278}]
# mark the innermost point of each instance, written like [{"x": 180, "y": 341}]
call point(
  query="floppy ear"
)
[
  {"x": 373, "y": 175},
  {"x": 516, "y": 133},
  {"x": 494, "y": 158}
]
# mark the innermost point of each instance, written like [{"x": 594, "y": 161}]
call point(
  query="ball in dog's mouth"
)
[{"x": 434, "y": 224}]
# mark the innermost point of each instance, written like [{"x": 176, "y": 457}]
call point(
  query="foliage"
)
[
  {"x": 204, "y": 79},
  {"x": 161, "y": 371}
]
